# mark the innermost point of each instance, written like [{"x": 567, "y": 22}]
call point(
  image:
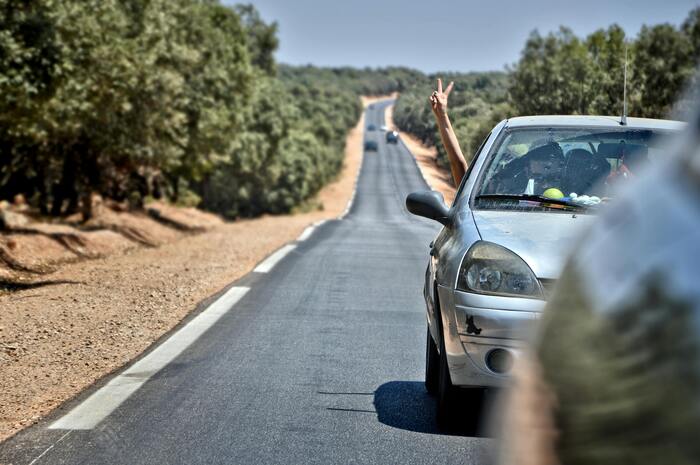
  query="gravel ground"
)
[{"x": 57, "y": 340}]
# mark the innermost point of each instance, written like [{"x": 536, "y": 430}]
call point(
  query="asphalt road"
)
[{"x": 321, "y": 361}]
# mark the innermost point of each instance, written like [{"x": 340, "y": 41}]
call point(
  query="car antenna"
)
[{"x": 623, "y": 120}]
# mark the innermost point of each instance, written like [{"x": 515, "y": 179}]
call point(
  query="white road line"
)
[
  {"x": 415, "y": 160},
  {"x": 309, "y": 231},
  {"x": 306, "y": 233},
  {"x": 98, "y": 406},
  {"x": 270, "y": 262},
  {"x": 354, "y": 189},
  {"x": 49, "y": 448}
]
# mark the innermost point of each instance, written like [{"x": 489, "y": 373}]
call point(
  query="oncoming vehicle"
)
[
  {"x": 392, "y": 137},
  {"x": 371, "y": 127},
  {"x": 533, "y": 186},
  {"x": 371, "y": 146}
]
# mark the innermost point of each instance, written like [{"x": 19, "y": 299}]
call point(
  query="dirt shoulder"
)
[
  {"x": 439, "y": 178},
  {"x": 101, "y": 313}
]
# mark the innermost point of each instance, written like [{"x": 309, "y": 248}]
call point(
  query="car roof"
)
[{"x": 594, "y": 121}]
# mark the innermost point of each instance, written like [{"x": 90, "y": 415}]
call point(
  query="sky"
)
[{"x": 447, "y": 35}]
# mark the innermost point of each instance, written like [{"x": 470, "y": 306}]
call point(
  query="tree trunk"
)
[
  {"x": 86, "y": 206},
  {"x": 65, "y": 189}
]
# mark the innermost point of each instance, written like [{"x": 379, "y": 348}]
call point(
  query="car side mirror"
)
[{"x": 428, "y": 204}]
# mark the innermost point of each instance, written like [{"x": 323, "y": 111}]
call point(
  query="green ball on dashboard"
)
[{"x": 553, "y": 193}]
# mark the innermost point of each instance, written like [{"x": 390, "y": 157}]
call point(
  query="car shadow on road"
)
[{"x": 407, "y": 405}]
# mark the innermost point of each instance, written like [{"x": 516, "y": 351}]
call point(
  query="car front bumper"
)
[{"x": 475, "y": 325}]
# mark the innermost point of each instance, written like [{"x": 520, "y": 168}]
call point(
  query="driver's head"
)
[{"x": 545, "y": 163}]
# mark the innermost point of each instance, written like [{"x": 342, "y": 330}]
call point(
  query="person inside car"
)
[
  {"x": 539, "y": 169},
  {"x": 542, "y": 166}
]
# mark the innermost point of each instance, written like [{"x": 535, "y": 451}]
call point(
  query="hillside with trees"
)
[
  {"x": 174, "y": 99},
  {"x": 477, "y": 103},
  {"x": 561, "y": 73},
  {"x": 182, "y": 100}
]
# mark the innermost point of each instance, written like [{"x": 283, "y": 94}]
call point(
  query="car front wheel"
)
[
  {"x": 446, "y": 392},
  {"x": 432, "y": 364}
]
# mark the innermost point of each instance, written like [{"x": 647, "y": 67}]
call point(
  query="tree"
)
[
  {"x": 29, "y": 72},
  {"x": 115, "y": 114},
  {"x": 115, "y": 93},
  {"x": 662, "y": 65},
  {"x": 262, "y": 38},
  {"x": 691, "y": 28},
  {"x": 217, "y": 87},
  {"x": 555, "y": 75},
  {"x": 607, "y": 48}
]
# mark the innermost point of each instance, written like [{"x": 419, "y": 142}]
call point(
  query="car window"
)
[
  {"x": 470, "y": 168},
  {"x": 569, "y": 163}
]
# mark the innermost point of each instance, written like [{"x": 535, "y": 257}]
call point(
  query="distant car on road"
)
[
  {"x": 383, "y": 128},
  {"x": 371, "y": 127},
  {"x": 392, "y": 137},
  {"x": 532, "y": 189},
  {"x": 371, "y": 146}
]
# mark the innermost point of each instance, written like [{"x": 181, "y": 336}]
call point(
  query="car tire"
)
[
  {"x": 432, "y": 364},
  {"x": 446, "y": 392}
]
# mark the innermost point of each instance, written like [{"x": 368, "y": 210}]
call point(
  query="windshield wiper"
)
[{"x": 531, "y": 197}]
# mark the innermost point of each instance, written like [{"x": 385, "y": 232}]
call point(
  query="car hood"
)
[{"x": 543, "y": 240}]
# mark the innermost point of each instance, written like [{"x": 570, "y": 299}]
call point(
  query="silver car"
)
[{"x": 529, "y": 194}]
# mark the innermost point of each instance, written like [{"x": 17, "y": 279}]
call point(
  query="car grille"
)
[{"x": 548, "y": 287}]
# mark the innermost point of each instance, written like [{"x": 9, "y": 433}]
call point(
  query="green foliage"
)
[
  {"x": 663, "y": 63},
  {"x": 367, "y": 81},
  {"x": 183, "y": 98},
  {"x": 561, "y": 73},
  {"x": 132, "y": 91},
  {"x": 138, "y": 98},
  {"x": 282, "y": 159},
  {"x": 606, "y": 48},
  {"x": 293, "y": 145},
  {"x": 477, "y": 103},
  {"x": 555, "y": 75},
  {"x": 262, "y": 38}
]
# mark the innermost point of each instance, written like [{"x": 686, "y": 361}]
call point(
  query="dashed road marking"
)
[
  {"x": 309, "y": 231},
  {"x": 415, "y": 160},
  {"x": 357, "y": 179},
  {"x": 270, "y": 262},
  {"x": 104, "y": 401},
  {"x": 354, "y": 190}
]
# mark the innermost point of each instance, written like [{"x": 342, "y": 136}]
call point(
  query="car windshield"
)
[{"x": 554, "y": 168}]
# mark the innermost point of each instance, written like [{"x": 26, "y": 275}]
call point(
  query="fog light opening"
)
[{"x": 499, "y": 361}]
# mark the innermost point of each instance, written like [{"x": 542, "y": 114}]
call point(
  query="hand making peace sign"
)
[{"x": 438, "y": 99}]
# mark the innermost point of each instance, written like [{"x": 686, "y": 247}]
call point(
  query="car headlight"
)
[{"x": 488, "y": 268}]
